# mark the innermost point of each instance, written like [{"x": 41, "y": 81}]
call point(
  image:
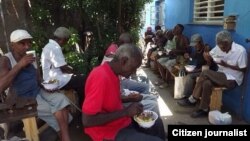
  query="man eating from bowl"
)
[
  {"x": 103, "y": 114},
  {"x": 197, "y": 60},
  {"x": 230, "y": 72}
]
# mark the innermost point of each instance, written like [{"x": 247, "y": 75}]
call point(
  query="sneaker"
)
[
  {"x": 186, "y": 103},
  {"x": 182, "y": 98},
  {"x": 199, "y": 113}
]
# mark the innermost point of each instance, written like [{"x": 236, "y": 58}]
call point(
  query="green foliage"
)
[
  {"x": 76, "y": 61},
  {"x": 105, "y": 18},
  {"x": 73, "y": 40}
]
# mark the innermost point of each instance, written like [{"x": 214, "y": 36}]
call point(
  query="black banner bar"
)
[{"x": 208, "y": 132}]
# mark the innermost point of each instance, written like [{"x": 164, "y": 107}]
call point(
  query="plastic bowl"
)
[
  {"x": 50, "y": 86},
  {"x": 146, "y": 124},
  {"x": 190, "y": 68}
]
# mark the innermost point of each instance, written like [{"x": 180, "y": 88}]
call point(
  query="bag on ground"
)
[
  {"x": 217, "y": 118},
  {"x": 179, "y": 84}
]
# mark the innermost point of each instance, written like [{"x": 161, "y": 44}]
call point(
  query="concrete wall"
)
[
  {"x": 13, "y": 15},
  {"x": 181, "y": 11}
]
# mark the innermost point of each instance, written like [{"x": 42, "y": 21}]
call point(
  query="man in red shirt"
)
[{"x": 103, "y": 114}]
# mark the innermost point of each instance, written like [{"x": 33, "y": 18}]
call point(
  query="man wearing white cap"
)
[
  {"x": 19, "y": 75},
  {"x": 54, "y": 65}
]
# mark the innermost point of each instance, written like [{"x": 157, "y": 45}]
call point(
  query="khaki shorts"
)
[{"x": 48, "y": 104}]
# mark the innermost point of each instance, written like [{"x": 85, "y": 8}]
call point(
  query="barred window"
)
[{"x": 208, "y": 11}]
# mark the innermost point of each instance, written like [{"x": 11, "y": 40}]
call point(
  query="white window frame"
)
[
  {"x": 205, "y": 12},
  {"x": 152, "y": 15},
  {"x": 162, "y": 14}
]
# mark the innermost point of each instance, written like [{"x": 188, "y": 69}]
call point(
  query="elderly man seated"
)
[
  {"x": 18, "y": 73},
  {"x": 103, "y": 114},
  {"x": 197, "y": 59},
  {"x": 231, "y": 59},
  {"x": 131, "y": 90}
]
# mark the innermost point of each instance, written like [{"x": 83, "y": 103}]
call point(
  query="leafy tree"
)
[{"x": 105, "y": 18}]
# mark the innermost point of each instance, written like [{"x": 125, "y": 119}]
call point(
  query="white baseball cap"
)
[{"x": 18, "y": 35}]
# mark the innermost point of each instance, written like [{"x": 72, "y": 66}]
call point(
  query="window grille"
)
[{"x": 208, "y": 11}]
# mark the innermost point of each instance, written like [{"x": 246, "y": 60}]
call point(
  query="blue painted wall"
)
[
  {"x": 177, "y": 11},
  {"x": 181, "y": 11}
]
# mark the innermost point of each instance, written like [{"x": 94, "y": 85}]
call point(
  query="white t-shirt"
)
[
  {"x": 237, "y": 56},
  {"x": 52, "y": 59}
]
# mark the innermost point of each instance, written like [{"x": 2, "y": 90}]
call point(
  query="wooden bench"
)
[
  {"x": 28, "y": 116},
  {"x": 216, "y": 98}
]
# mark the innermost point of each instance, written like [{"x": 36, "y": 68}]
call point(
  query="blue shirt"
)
[{"x": 25, "y": 83}]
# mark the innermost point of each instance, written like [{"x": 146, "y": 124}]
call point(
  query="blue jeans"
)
[{"x": 133, "y": 85}]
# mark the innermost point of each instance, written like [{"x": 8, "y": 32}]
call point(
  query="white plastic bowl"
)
[
  {"x": 50, "y": 86},
  {"x": 146, "y": 124},
  {"x": 190, "y": 68}
]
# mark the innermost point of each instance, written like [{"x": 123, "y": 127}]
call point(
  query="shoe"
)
[
  {"x": 199, "y": 113},
  {"x": 186, "y": 103},
  {"x": 185, "y": 97}
]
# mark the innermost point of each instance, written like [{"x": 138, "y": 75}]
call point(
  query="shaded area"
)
[{"x": 171, "y": 113}]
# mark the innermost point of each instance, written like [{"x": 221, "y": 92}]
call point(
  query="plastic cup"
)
[{"x": 33, "y": 52}]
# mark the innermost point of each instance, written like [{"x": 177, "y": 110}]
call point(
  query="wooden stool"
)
[{"x": 216, "y": 98}]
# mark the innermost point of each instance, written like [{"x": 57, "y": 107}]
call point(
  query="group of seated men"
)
[
  {"x": 222, "y": 66},
  {"x": 168, "y": 49},
  {"x": 104, "y": 115},
  {"x": 23, "y": 79}
]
